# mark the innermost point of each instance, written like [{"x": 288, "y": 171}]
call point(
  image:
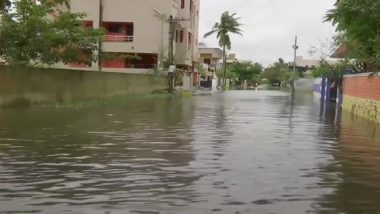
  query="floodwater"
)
[{"x": 232, "y": 152}]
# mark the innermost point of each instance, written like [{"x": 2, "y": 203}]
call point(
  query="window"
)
[
  {"x": 181, "y": 36},
  {"x": 191, "y": 5},
  {"x": 182, "y": 4},
  {"x": 176, "y": 36}
]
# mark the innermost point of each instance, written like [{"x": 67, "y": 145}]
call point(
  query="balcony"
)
[
  {"x": 118, "y": 31},
  {"x": 118, "y": 38}
]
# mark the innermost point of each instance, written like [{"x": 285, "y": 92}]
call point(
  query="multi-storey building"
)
[{"x": 141, "y": 29}]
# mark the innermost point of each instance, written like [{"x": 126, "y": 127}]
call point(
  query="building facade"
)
[
  {"x": 139, "y": 33},
  {"x": 211, "y": 60},
  {"x": 211, "y": 57}
]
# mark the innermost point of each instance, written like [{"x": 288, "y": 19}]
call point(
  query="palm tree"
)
[{"x": 228, "y": 24}]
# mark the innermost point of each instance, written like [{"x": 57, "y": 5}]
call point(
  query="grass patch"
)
[{"x": 186, "y": 94}]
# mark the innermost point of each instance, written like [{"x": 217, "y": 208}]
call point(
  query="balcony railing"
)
[
  {"x": 118, "y": 38},
  {"x": 142, "y": 66}
]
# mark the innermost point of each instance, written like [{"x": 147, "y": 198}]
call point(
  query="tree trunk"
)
[{"x": 224, "y": 67}]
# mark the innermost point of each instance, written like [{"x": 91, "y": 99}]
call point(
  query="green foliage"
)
[
  {"x": 286, "y": 75},
  {"x": 228, "y": 24},
  {"x": 318, "y": 72},
  {"x": 278, "y": 73},
  {"x": 5, "y": 5},
  {"x": 121, "y": 56},
  {"x": 43, "y": 34},
  {"x": 334, "y": 72},
  {"x": 229, "y": 74},
  {"x": 251, "y": 72},
  {"x": 358, "y": 24},
  {"x": 201, "y": 69}
]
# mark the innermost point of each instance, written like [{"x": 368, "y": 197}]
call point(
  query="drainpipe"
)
[{"x": 100, "y": 51}]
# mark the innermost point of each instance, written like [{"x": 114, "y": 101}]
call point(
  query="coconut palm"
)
[{"x": 228, "y": 24}]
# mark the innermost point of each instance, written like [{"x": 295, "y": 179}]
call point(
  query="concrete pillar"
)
[
  {"x": 187, "y": 82},
  {"x": 214, "y": 84}
]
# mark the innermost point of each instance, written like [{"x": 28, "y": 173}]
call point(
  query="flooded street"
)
[{"x": 232, "y": 152}]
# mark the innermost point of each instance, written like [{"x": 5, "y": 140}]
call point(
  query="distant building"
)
[
  {"x": 231, "y": 58},
  {"x": 141, "y": 28},
  {"x": 211, "y": 57},
  {"x": 304, "y": 65},
  {"x": 211, "y": 60}
]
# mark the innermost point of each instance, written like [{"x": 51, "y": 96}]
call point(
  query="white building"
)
[
  {"x": 212, "y": 57},
  {"x": 141, "y": 28},
  {"x": 312, "y": 63}
]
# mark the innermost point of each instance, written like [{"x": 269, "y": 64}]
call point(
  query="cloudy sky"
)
[{"x": 270, "y": 26}]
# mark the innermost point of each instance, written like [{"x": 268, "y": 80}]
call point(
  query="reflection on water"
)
[{"x": 233, "y": 152}]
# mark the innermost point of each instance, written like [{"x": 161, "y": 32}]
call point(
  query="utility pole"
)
[
  {"x": 171, "y": 74},
  {"x": 172, "y": 29},
  {"x": 295, "y": 47},
  {"x": 173, "y": 26}
]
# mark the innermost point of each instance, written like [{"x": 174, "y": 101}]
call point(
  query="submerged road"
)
[{"x": 232, "y": 152}]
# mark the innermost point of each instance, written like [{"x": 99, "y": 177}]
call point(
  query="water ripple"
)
[{"x": 232, "y": 152}]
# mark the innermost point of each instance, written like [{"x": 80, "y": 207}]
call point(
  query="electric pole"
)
[
  {"x": 174, "y": 24},
  {"x": 295, "y": 47}
]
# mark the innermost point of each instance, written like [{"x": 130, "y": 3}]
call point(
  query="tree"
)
[
  {"x": 332, "y": 71},
  {"x": 5, "y": 5},
  {"x": 30, "y": 34},
  {"x": 228, "y": 24},
  {"x": 229, "y": 74},
  {"x": 246, "y": 71},
  {"x": 358, "y": 24},
  {"x": 278, "y": 73}
]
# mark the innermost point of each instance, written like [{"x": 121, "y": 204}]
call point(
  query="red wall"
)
[
  {"x": 361, "y": 86},
  {"x": 114, "y": 64}
]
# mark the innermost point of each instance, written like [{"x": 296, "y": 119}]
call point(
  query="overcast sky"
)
[{"x": 270, "y": 26}]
